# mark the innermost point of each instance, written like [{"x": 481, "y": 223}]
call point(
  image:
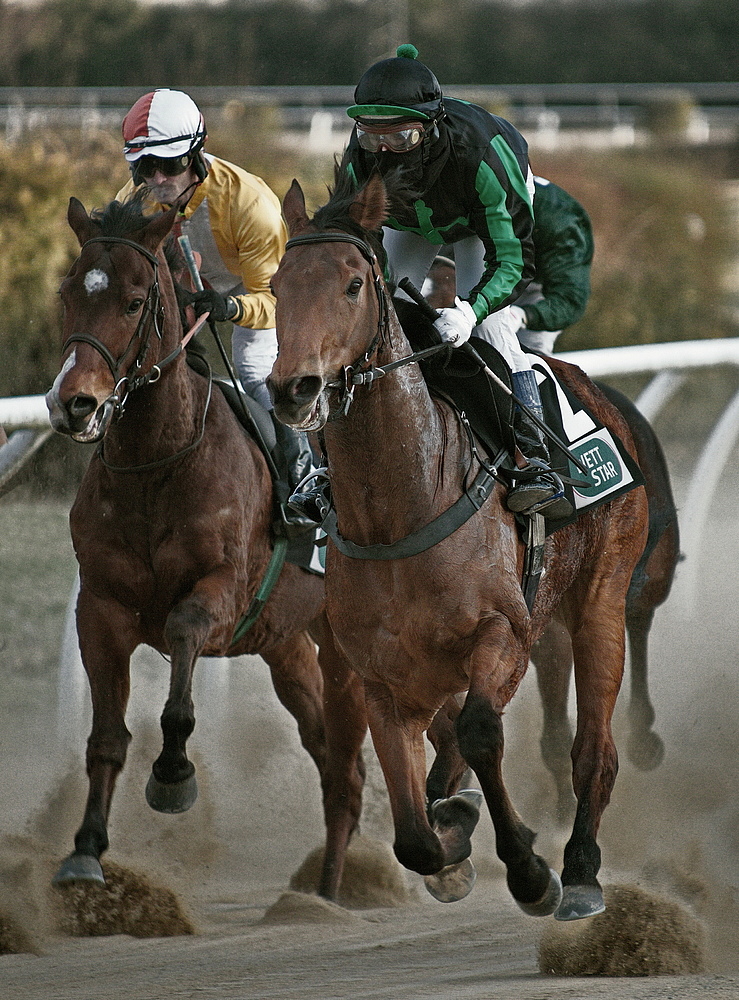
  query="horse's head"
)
[
  {"x": 328, "y": 288},
  {"x": 113, "y": 312}
]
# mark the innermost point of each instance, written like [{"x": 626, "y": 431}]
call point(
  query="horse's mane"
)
[
  {"x": 124, "y": 219},
  {"x": 335, "y": 214}
]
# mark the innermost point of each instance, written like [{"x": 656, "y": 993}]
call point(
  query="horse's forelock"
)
[
  {"x": 336, "y": 213},
  {"x": 127, "y": 218},
  {"x": 122, "y": 218}
]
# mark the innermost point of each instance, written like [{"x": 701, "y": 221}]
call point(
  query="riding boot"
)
[
  {"x": 544, "y": 492},
  {"x": 294, "y": 462}
]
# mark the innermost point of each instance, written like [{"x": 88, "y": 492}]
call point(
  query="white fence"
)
[{"x": 670, "y": 363}]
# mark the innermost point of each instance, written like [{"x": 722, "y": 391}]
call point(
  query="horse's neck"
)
[{"x": 395, "y": 458}]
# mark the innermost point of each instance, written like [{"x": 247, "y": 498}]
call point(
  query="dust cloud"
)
[{"x": 241, "y": 864}]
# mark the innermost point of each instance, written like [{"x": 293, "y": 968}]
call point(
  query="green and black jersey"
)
[
  {"x": 563, "y": 237},
  {"x": 473, "y": 183}
]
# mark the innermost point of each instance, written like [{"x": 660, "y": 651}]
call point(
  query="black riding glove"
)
[{"x": 220, "y": 307}]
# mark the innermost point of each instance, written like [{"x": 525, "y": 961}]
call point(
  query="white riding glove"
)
[{"x": 454, "y": 325}]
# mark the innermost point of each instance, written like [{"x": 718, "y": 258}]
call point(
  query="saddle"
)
[{"x": 456, "y": 377}]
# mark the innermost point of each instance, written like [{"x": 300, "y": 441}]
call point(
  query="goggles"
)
[
  {"x": 398, "y": 139},
  {"x": 170, "y": 166}
]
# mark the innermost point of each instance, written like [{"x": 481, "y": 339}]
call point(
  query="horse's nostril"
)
[
  {"x": 81, "y": 406},
  {"x": 305, "y": 389}
]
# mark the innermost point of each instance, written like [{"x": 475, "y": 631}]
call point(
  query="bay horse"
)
[
  {"x": 451, "y": 618},
  {"x": 551, "y": 655},
  {"x": 171, "y": 528}
]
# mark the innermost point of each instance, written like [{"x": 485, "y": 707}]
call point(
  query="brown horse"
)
[
  {"x": 171, "y": 527},
  {"x": 552, "y": 654},
  {"x": 452, "y": 617}
]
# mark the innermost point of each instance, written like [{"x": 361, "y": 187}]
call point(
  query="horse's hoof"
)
[
  {"x": 580, "y": 901},
  {"x": 79, "y": 868},
  {"x": 446, "y": 812},
  {"x": 645, "y": 751},
  {"x": 549, "y": 902},
  {"x": 453, "y": 882},
  {"x": 176, "y": 797},
  {"x": 472, "y": 795}
]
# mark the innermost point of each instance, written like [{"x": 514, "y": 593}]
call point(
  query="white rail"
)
[{"x": 670, "y": 362}]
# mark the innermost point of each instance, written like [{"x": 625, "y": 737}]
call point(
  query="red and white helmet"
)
[{"x": 163, "y": 123}]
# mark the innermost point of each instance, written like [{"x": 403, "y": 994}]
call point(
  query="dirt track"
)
[{"x": 672, "y": 831}]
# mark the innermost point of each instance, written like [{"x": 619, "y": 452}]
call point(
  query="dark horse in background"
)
[
  {"x": 172, "y": 531},
  {"x": 451, "y": 618},
  {"x": 551, "y": 655}
]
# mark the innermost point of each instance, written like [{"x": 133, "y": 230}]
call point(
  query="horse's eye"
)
[
  {"x": 133, "y": 306},
  {"x": 354, "y": 288}
]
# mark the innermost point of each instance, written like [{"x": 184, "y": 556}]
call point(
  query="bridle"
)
[
  {"x": 474, "y": 493},
  {"x": 151, "y": 318},
  {"x": 153, "y": 311},
  {"x": 357, "y": 373}
]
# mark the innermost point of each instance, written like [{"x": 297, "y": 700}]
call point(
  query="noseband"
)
[{"x": 153, "y": 310}]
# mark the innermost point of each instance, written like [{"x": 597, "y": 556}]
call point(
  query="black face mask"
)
[{"x": 419, "y": 168}]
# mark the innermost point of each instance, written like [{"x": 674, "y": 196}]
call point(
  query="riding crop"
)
[{"x": 192, "y": 267}]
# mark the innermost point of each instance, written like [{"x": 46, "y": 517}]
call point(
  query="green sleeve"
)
[
  {"x": 563, "y": 241},
  {"x": 504, "y": 222}
]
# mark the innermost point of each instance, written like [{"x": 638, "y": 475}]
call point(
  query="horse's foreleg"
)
[
  {"x": 552, "y": 658},
  {"x": 398, "y": 737},
  {"x": 172, "y": 787},
  {"x": 345, "y": 720},
  {"x": 496, "y": 668},
  {"x": 107, "y": 639}
]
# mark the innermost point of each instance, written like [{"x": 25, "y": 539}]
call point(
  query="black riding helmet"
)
[{"x": 400, "y": 87}]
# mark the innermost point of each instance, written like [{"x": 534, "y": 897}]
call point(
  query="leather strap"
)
[{"x": 418, "y": 541}]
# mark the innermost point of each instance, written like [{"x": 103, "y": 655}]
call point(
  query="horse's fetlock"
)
[
  {"x": 424, "y": 859},
  {"x": 528, "y": 880}
]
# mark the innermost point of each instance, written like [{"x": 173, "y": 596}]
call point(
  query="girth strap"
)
[{"x": 418, "y": 541}]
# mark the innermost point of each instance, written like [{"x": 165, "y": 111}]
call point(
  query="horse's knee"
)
[
  {"x": 479, "y": 732},
  {"x": 594, "y": 771},
  {"x": 189, "y": 622},
  {"x": 108, "y": 750}
]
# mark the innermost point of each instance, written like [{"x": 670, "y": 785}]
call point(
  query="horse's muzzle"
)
[
  {"x": 80, "y": 417},
  {"x": 300, "y": 402}
]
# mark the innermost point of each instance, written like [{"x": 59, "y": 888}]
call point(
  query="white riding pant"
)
[
  {"x": 254, "y": 353},
  {"x": 410, "y": 256}
]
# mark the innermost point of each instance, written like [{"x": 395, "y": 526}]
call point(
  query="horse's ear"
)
[
  {"x": 81, "y": 223},
  {"x": 371, "y": 206},
  {"x": 158, "y": 229},
  {"x": 293, "y": 206}
]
